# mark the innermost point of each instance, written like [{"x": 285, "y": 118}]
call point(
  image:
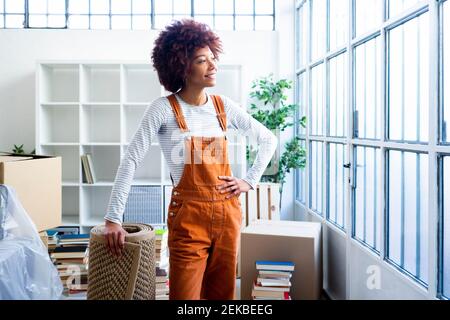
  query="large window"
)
[
  {"x": 408, "y": 80},
  {"x": 445, "y": 232},
  {"x": 136, "y": 14},
  {"x": 337, "y": 200},
  {"x": 367, "y": 85},
  {"x": 366, "y": 191},
  {"x": 378, "y": 100},
  {"x": 408, "y": 212},
  {"x": 446, "y": 70},
  {"x": 337, "y": 95}
]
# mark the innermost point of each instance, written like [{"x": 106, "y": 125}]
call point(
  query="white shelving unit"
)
[{"x": 95, "y": 107}]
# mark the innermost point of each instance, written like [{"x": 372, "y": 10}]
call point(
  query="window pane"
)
[
  {"x": 367, "y": 220},
  {"x": 301, "y": 102},
  {"x": 141, "y": 7},
  {"x": 100, "y": 7},
  {"x": 337, "y": 200},
  {"x": 38, "y": 20},
  {"x": 318, "y": 30},
  {"x": 263, "y": 6},
  {"x": 408, "y": 81},
  {"x": 57, "y": 6},
  {"x": 203, "y": 7},
  {"x": 79, "y": 6},
  {"x": 244, "y": 6},
  {"x": 302, "y": 29},
  {"x": 264, "y": 23},
  {"x": 2, "y": 8},
  {"x": 368, "y": 100},
  {"x": 78, "y": 22},
  {"x": 224, "y": 7},
  {"x": 162, "y": 20},
  {"x": 407, "y": 212},
  {"x": 446, "y": 229},
  {"x": 301, "y": 182},
  {"x": 37, "y": 6},
  {"x": 316, "y": 176},
  {"x": 205, "y": 19},
  {"x": 316, "y": 120},
  {"x": 141, "y": 22},
  {"x": 14, "y": 6},
  {"x": 99, "y": 22},
  {"x": 367, "y": 15},
  {"x": 398, "y": 6},
  {"x": 224, "y": 23},
  {"x": 120, "y": 6},
  {"x": 56, "y": 21},
  {"x": 182, "y": 7},
  {"x": 338, "y": 96},
  {"x": 121, "y": 22},
  {"x": 14, "y": 20},
  {"x": 163, "y": 6},
  {"x": 2, "y": 24},
  {"x": 244, "y": 23},
  {"x": 338, "y": 22},
  {"x": 446, "y": 53}
]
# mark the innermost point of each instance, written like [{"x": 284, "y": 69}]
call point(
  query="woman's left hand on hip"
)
[{"x": 233, "y": 185}]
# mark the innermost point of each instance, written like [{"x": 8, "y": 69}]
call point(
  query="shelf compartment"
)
[
  {"x": 150, "y": 167},
  {"x": 59, "y": 124},
  {"x": 100, "y": 124},
  {"x": 105, "y": 159},
  {"x": 70, "y": 158},
  {"x": 141, "y": 83},
  {"x": 94, "y": 204},
  {"x": 101, "y": 83},
  {"x": 59, "y": 83},
  {"x": 133, "y": 116},
  {"x": 70, "y": 205}
]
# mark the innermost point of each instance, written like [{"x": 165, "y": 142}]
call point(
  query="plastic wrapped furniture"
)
[{"x": 26, "y": 271}]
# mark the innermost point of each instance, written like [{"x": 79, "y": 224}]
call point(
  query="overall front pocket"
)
[{"x": 175, "y": 210}]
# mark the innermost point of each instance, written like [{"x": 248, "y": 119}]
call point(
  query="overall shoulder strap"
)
[
  {"x": 178, "y": 112},
  {"x": 220, "y": 110}
]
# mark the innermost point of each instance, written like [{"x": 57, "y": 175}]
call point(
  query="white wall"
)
[
  {"x": 19, "y": 49},
  {"x": 285, "y": 26}
]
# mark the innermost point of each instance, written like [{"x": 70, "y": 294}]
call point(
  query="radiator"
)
[{"x": 262, "y": 203}]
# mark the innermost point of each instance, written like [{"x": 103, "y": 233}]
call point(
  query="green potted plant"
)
[{"x": 270, "y": 108}]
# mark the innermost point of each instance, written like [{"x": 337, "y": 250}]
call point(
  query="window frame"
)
[{"x": 151, "y": 16}]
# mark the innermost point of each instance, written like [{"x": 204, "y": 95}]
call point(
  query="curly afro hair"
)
[{"x": 175, "y": 47}]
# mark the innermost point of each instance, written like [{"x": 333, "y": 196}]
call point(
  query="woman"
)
[{"x": 205, "y": 216}]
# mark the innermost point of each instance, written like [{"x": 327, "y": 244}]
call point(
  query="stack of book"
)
[
  {"x": 162, "y": 265},
  {"x": 88, "y": 169},
  {"x": 70, "y": 258},
  {"x": 273, "y": 280},
  {"x": 52, "y": 240}
]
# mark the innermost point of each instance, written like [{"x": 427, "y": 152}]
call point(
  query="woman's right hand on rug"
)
[{"x": 115, "y": 237}]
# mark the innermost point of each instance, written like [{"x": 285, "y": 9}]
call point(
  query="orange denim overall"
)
[{"x": 204, "y": 227}]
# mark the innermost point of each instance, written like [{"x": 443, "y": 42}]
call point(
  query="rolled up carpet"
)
[{"x": 129, "y": 277}]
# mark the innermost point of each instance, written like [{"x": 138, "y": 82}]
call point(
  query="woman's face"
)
[{"x": 203, "y": 68}]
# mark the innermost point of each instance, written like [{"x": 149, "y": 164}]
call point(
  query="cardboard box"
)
[
  {"x": 299, "y": 242},
  {"x": 37, "y": 181}
]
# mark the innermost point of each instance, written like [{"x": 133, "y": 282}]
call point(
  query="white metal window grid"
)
[
  {"x": 151, "y": 16},
  {"x": 432, "y": 148}
]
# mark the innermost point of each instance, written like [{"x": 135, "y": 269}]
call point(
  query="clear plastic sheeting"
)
[{"x": 26, "y": 271}]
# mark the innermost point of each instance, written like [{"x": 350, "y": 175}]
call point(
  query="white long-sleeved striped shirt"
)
[{"x": 159, "y": 121}]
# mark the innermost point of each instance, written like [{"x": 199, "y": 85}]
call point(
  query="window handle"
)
[{"x": 347, "y": 165}]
